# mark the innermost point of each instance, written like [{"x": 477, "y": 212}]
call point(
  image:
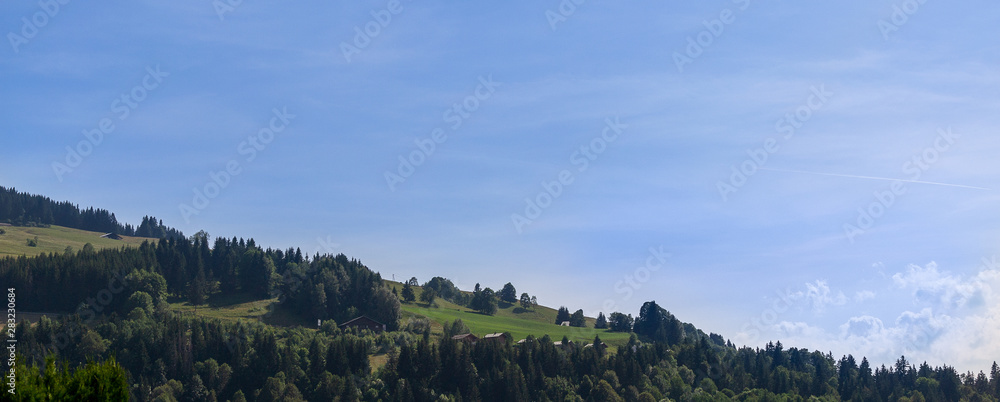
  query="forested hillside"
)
[
  {"x": 23, "y": 209},
  {"x": 119, "y": 297},
  {"x": 327, "y": 286},
  {"x": 120, "y": 323}
]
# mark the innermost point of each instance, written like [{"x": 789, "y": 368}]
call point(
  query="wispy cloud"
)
[{"x": 875, "y": 178}]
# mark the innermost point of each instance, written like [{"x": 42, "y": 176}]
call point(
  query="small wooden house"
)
[
  {"x": 467, "y": 338},
  {"x": 364, "y": 322},
  {"x": 497, "y": 337}
]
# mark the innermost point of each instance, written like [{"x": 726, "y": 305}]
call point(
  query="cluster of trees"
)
[
  {"x": 445, "y": 289},
  {"x": 168, "y": 357},
  {"x": 94, "y": 281},
  {"x": 121, "y": 340},
  {"x": 654, "y": 322},
  {"x": 94, "y": 381},
  {"x": 484, "y": 300},
  {"x": 575, "y": 320},
  {"x": 338, "y": 288},
  {"x": 171, "y": 357},
  {"x": 696, "y": 368},
  {"x": 23, "y": 209},
  {"x": 427, "y": 295}
]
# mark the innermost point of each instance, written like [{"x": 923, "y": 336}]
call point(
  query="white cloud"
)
[
  {"x": 863, "y": 295},
  {"x": 942, "y": 289},
  {"x": 819, "y": 296},
  {"x": 957, "y": 325},
  {"x": 864, "y": 326}
]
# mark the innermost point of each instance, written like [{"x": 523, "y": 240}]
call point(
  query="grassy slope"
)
[
  {"x": 520, "y": 323},
  {"x": 54, "y": 239}
]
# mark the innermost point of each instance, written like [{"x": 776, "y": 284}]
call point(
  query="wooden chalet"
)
[
  {"x": 364, "y": 322},
  {"x": 499, "y": 336},
  {"x": 467, "y": 338}
]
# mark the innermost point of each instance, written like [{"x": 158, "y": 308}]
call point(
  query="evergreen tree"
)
[
  {"x": 577, "y": 319},
  {"x": 602, "y": 322},
  {"x": 198, "y": 288},
  {"x": 407, "y": 293},
  {"x": 562, "y": 315},
  {"x": 995, "y": 379}
]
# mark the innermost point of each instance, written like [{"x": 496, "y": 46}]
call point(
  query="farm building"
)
[
  {"x": 497, "y": 336},
  {"x": 364, "y": 322},
  {"x": 467, "y": 338}
]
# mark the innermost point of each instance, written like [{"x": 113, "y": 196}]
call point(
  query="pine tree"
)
[
  {"x": 197, "y": 288},
  {"x": 562, "y": 315},
  {"x": 602, "y": 321},
  {"x": 408, "y": 295},
  {"x": 995, "y": 380}
]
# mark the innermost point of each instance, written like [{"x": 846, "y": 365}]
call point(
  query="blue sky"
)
[{"x": 640, "y": 112}]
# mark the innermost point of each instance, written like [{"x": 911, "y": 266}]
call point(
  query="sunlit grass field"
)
[{"x": 54, "y": 239}]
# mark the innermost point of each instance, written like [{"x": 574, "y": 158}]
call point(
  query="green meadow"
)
[
  {"x": 54, "y": 239},
  {"x": 519, "y": 322}
]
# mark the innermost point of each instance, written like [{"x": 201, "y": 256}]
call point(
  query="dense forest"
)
[
  {"x": 92, "y": 282},
  {"x": 23, "y": 209},
  {"x": 168, "y": 356},
  {"x": 118, "y": 335},
  {"x": 171, "y": 357}
]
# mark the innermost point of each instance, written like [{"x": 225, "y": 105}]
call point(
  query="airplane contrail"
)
[{"x": 875, "y": 178}]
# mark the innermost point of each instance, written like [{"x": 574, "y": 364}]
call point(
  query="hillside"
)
[
  {"x": 537, "y": 321},
  {"x": 235, "y": 341},
  {"x": 55, "y": 239},
  {"x": 519, "y": 322}
]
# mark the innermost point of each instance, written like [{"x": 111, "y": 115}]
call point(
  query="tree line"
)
[
  {"x": 166, "y": 356},
  {"x": 694, "y": 368},
  {"x": 91, "y": 282},
  {"x": 23, "y": 209},
  {"x": 483, "y": 300}
]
